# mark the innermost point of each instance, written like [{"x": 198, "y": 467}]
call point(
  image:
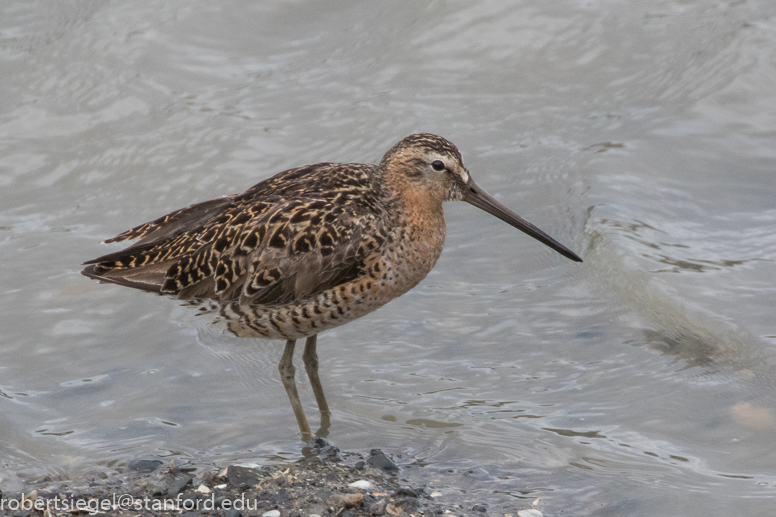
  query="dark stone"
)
[
  {"x": 324, "y": 450},
  {"x": 232, "y": 513},
  {"x": 479, "y": 508},
  {"x": 406, "y": 492},
  {"x": 379, "y": 460},
  {"x": 178, "y": 484},
  {"x": 242, "y": 476},
  {"x": 145, "y": 465}
]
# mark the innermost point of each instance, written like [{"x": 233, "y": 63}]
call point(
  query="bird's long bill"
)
[{"x": 476, "y": 196}]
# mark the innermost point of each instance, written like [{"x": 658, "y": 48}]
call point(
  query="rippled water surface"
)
[{"x": 640, "y": 134}]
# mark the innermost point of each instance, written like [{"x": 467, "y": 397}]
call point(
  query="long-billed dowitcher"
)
[{"x": 310, "y": 248}]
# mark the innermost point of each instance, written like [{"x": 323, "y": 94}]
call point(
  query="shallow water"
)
[{"x": 641, "y": 135}]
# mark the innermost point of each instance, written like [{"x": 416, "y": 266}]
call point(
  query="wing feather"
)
[{"x": 282, "y": 240}]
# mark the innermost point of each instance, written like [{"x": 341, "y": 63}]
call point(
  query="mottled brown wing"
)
[
  {"x": 259, "y": 253},
  {"x": 287, "y": 237},
  {"x": 293, "y": 250},
  {"x": 192, "y": 216},
  {"x": 163, "y": 242}
]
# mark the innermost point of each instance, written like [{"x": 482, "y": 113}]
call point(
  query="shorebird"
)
[{"x": 310, "y": 248}]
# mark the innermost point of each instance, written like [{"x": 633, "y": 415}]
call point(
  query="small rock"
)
[
  {"x": 378, "y": 508},
  {"x": 145, "y": 465},
  {"x": 436, "y": 494},
  {"x": 232, "y": 513},
  {"x": 406, "y": 492},
  {"x": 313, "y": 515},
  {"x": 362, "y": 484},
  {"x": 271, "y": 513},
  {"x": 326, "y": 451},
  {"x": 530, "y": 513},
  {"x": 202, "y": 489},
  {"x": 242, "y": 476},
  {"x": 177, "y": 485},
  {"x": 379, "y": 460},
  {"x": 479, "y": 508},
  {"x": 344, "y": 500}
]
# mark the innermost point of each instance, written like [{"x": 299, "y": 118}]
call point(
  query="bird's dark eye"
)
[{"x": 438, "y": 165}]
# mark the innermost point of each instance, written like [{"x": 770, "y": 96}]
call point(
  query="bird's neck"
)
[{"x": 419, "y": 230}]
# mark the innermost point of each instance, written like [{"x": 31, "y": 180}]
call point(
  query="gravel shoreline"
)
[{"x": 320, "y": 484}]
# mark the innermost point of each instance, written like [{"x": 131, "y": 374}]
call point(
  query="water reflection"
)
[{"x": 237, "y": 324}]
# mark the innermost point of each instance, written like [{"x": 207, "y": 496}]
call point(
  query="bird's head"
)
[{"x": 432, "y": 165}]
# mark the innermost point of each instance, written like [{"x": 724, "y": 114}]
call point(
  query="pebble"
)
[
  {"x": 202, "y": 489},
  {"x": 362, "y": 484},
  {"x": 240, "y": 476},
  {"x": 530, "y": 513},
  {"x": 178, "y": 485},
  {"x": 406, "y": 492},
  {"x": 436, "y": 494},
  {"x": 344, "y": 500},
  {"x": 380, "y": 460},
  {"x": 271, "y": 513}
]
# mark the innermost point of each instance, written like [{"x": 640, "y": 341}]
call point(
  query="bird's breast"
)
[{"x": 411, "y": 253}]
